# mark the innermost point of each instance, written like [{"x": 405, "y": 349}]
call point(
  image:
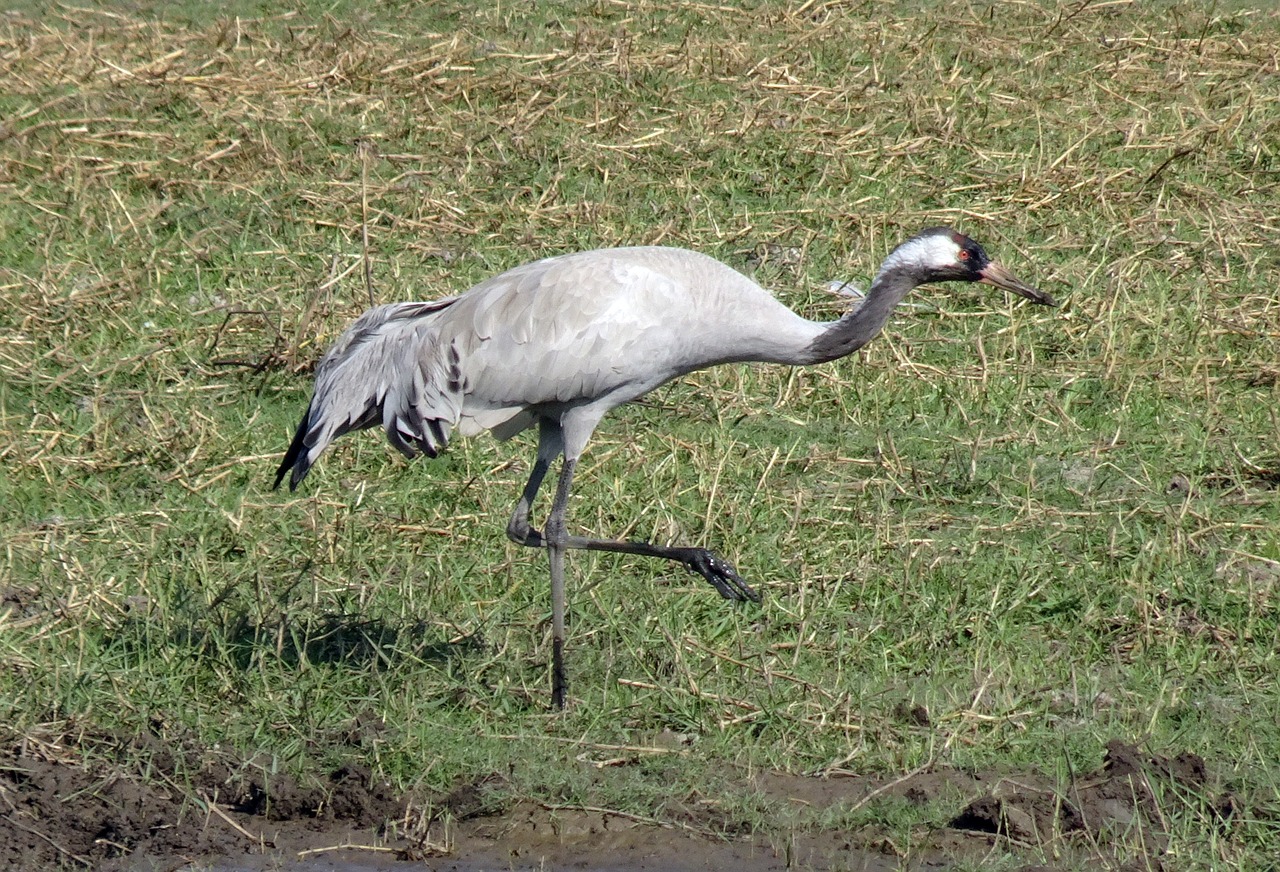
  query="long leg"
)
[
  {"x": 556, "y": 543},
  {"x": 718, "y": 572},
  {"x": 550, "y": 445},
  {"x": 721, "y": 575}
]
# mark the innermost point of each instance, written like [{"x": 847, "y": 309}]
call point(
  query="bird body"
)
[
  {"x": 572, "y": 335},
  {"x": 560, "y": 341}
]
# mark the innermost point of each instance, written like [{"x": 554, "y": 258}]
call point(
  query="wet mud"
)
[{"x": 203, "y": 809}]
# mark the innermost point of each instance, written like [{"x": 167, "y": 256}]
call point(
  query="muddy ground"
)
[{"x": 58, "y": 809}]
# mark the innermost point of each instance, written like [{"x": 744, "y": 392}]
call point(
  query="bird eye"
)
[{"x": 963, "y": 255}]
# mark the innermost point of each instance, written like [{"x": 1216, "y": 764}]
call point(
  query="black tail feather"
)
[{"x": 296, "y": 457}]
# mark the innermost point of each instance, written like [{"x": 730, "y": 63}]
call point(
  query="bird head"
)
[{"x": 941, "y": 254}]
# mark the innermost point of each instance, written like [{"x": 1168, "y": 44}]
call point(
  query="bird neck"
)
[{"x": 856, "y": 329}]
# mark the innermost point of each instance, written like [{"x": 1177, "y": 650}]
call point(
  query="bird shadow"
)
[
  {"x": 245, "y": 625},
  {"x": 338, "y": 639},
  {"x": 244, "y": 640}
]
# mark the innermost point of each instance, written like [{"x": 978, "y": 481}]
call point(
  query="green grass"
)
[{"x": 1048, "y": 528}]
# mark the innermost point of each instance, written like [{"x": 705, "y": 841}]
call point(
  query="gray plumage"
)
[{"x": 561, "y": 341}]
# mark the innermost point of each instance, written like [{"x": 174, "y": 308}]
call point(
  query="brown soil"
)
[{"x": 60, "y": 809}]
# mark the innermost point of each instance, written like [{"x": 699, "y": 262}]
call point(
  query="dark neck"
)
[{"x": 860, "y": 326}]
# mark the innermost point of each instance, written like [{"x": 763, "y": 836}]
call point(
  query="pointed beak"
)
[{"x": 995, "y": 274}]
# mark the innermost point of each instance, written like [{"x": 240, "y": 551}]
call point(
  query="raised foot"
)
[{"x": 721, "y": 574}]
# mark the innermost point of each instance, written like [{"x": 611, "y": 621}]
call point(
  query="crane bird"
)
[{"x": 561, "y": 341}]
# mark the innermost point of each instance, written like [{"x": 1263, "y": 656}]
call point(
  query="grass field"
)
[{"x": 994, "y": 540}]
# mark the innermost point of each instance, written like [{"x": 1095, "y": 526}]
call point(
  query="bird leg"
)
[
  {"x": 718, "y": 572},
  {"x": 518, "y": 529},
  {"x": 715, "y": 569},
  {"x": 556, "y": 542}
]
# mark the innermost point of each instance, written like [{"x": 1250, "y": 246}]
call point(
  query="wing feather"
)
[{"x": 387, "y": 368}]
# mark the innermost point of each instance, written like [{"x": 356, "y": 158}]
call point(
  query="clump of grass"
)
[{"x": 1043, "y": 529}]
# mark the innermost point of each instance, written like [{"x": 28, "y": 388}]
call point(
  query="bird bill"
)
[{"x": 995, "y": 274}]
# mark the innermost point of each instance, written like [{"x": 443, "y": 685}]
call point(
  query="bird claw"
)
[{"x": 722, "y": 576}]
